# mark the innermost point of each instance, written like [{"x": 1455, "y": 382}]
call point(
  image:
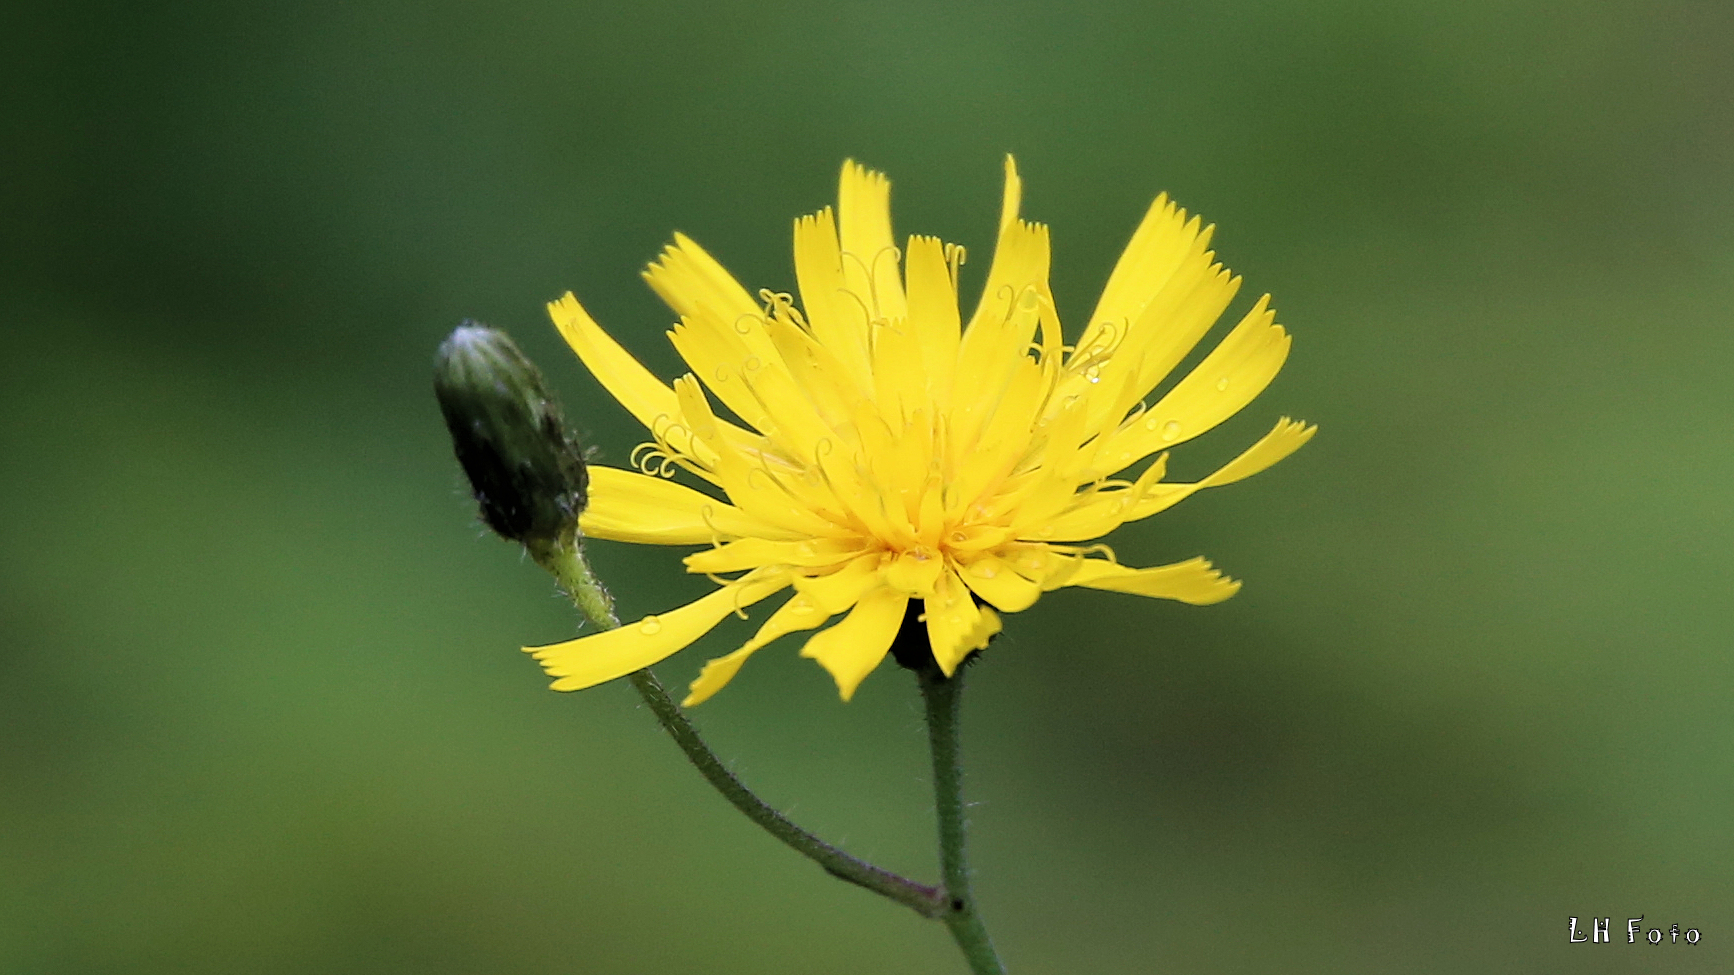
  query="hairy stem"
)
[
  {"x": 569, "y": 567},
  {"x": 943, "y": 695}
]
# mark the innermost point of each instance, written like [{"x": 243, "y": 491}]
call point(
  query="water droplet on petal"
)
[
  {"x": 801, "y": 607},
  {"x": 959, "y": 537},
  {"x": 954, "y": 619},
  {"x": 1152, "y": 423},
  {"x": 1034, "y": 562},
  {"x": 1222, "y": 385},
  {"x": 650, "y": 626},
  {"x": 987, "y": 572},
  {"x": 1171, "y": 430},
  {"x": 1047, "y": 531},
  {"x": 807, "y": 548}
]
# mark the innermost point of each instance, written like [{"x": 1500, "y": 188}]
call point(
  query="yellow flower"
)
[{"x": 886, "y": 452}]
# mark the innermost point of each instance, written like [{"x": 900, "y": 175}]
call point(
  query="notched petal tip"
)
[
  {"x": 1194, "y": 581},
  {"x": 851, "y": 650},
  {"x": 715, "y": 675}
]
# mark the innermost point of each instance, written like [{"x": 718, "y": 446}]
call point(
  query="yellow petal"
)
[
  {"x": 1285, "y": 438},
  {"x": 1005, "y": 318},
  {"x": 900, "y": 386},
  {"x": 649, "y": 401},
  {"x": 914, "y": 574},
  {"x": 591, "y": 660},
  {"x": 752, "y": 487},
  {"x": 798, "y": 613},
  {"x": 1163, "y": 243},
  {"x": 1041, "y": 565},
  {"x": 643, "y": 395},
  {"x": 626, "y": 506},
  {"x": 718, "y": 357},
  {"x": 692, "y": 282},
  {"x": 933, "y": 314},
  {"x": 1012, "y": 199},
  {"x": 728, "y": 325},
  {"x": 1192, "y": 581},
  {"x": 999, "y": 584},
  {"x": 837, "y": 591},
  {"x": 1178, "y": 318},
  {"x": 1096, "y": 513},
  {"x": 837, "y": 317},
  {"x": 715, "y": 676},
  {"x": 955, "y": 624},
  {"x": 1235, "y": 372},
  {"x": 869, "y": 251},
  {"x": 851, "y": 649},
  {"x": 750, "y": 553}
]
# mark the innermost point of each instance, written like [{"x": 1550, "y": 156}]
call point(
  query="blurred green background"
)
[{"x": 261, "y": 704}]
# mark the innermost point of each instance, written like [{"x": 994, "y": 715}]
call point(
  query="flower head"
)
[{"x": 888, "y": 451}]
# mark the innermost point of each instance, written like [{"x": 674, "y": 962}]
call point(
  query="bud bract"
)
[{"x": 525, "y": 469}]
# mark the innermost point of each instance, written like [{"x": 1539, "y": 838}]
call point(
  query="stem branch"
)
[{"x": 569, "y": 567}]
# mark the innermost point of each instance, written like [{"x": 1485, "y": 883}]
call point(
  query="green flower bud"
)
[{"x": 525, "y": 469}]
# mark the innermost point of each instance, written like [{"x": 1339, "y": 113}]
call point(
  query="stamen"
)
[
  {"x": 1084, "y": 551},
  {"x": 647, "y": 456},
  {"x": 781, "y": 304},
  {"x": 955, "y": 254},
  {"x": 1101, "y": 548},
  {"x": 705, "y": 514},
  {"x": 866, "y": 313}
]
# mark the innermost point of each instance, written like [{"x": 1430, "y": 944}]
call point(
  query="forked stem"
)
[{"x": 569, "y": 567}]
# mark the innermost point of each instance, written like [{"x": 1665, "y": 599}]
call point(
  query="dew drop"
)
[
  {"x": 801, "y": 607},
  {"x": 920, "y": 554},
  {"x": 1047, "y": 531},
  {"x": 987, "y": 572},
  {"x": 1171, "y": 430},
  {"x": 649, "y": 626},
  {"x": 1222, "y": 385},
  {"x": 1033, "y": 562},
  {"x": 959, "y": 537},
  {"x": 807, "y": 549},
  {"x": 1152, "y": 423}
]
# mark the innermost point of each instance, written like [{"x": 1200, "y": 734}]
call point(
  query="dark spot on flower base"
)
[{"x": 911, "y": 649}]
